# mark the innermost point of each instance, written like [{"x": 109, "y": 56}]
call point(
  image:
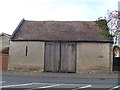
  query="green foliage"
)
[{"x": 105, "y": 30}]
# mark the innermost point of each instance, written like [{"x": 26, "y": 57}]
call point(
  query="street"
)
[{"x": 33, "y": 82}]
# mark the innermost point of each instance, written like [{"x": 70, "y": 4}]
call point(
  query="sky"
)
[{"x": 12, "y": 11}]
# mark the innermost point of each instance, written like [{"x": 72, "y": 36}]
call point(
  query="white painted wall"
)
[{"x": 4, "y": 42}]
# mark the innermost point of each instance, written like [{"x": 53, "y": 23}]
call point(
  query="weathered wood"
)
[
  {"x": 47, "y": 57},
  {"x": 51, "y": 57},
  {"x": 68, "y": 57},
  {"x": 64, "y": 63},
  {"x": 56, "y": 56},
  {"x": 60, "y": 57},
  {"x": 72, "y": 65},
  {"x": 52, "y": 53}
]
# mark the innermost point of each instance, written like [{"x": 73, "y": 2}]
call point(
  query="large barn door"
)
[
  {"x": 52, "y": 59},
  {"x": 60, "y": 57},
  {"x": 68, "y": 57}
]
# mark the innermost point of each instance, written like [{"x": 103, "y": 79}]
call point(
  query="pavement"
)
[{"x": 65, "y": 75}]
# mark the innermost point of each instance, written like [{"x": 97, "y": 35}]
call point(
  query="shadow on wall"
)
[{"x": 116, "y": 64}]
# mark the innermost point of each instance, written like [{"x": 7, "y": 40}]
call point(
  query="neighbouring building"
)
[
  {"x": 4, "y": 50},
  {"x": 4, "y": 40},
  {"x": 60, "y": 46}
]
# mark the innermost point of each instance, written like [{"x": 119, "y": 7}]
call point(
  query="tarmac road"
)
[{"x": 67, "y": 81}]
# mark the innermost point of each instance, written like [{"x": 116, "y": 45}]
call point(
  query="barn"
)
[{"x": 60, "y": 46}]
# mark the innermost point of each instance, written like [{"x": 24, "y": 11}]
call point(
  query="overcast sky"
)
[{"x": 12, "y": 11}]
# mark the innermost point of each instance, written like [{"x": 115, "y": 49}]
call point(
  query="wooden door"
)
[
  {"x": 68, "y": 57},
  {"x": 52, "y": 57},
  {"x": 60, "y": 57}
]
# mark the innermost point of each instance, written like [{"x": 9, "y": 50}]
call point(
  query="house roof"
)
[
  {"x": 4, "y": 34},
  {"x": 57, "y": 31}
]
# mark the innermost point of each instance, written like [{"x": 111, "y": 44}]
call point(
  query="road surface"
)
[{"x": 48, "y": 83}]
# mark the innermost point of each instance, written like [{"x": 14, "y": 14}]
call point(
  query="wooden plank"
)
[
  {"x": 73, "y": 58},
  {"x": 64, "y": 63},
  {"x": 68, "y": 57},
  {"x": 60, "y": 57},
  {"x": 56, "y": 57},
  {"x": 47, "y": 57},
  {"x": 52, "y": 56},
  {"x": 55, "y": 54}
]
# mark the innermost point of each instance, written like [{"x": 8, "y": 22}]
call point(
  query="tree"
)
[{"x": 113, "y": 23}]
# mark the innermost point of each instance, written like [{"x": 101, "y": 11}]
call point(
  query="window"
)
[{"x": 26, "y": 50}]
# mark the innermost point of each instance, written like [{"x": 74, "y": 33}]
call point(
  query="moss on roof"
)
[{"x": 105, "y": 30}]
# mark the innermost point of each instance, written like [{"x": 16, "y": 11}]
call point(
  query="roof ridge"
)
[{"x": 55, "y": 21}]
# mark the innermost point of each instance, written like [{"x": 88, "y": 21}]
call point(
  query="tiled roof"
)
[{"x": 58, "y": 30}]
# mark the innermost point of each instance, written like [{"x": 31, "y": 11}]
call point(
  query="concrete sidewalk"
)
[{"x": 65, "y": 75}]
